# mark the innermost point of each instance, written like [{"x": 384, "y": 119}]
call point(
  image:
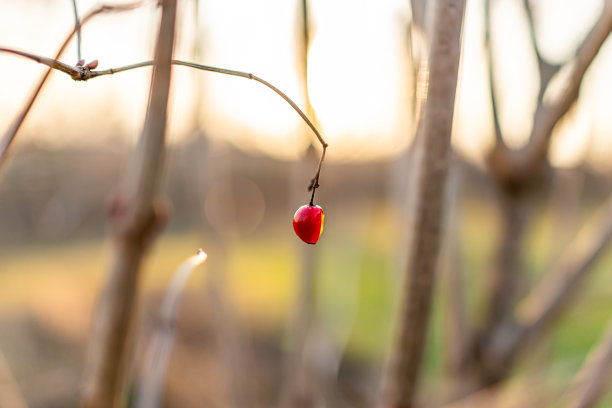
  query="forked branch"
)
[
  {"x": 9, "y": 135},
  {"x": 499, "y": 141},
  {"x": 546, "y": 70},
  {"x": 556, "y": 102}
]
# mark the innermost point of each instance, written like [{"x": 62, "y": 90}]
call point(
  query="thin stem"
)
[
  {"x": 226, "y": 72},
  {"x": 160, "y": 346},
  {"x": 546, "y": 70},
  {"x": 10, "y": 134},
  {"x": 77, "y": 27},
  {"x": 84, "y": 74},
  {"x": 314, "y": 184}
]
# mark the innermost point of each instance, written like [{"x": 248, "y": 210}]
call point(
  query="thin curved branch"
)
[
  {"x": 79, "y": 73},
  {"x": 226, "y": 72},
  {"x": 9, "y": 135}
]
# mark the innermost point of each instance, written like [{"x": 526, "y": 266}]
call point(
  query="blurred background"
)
[{"x": 238, "y": 165}]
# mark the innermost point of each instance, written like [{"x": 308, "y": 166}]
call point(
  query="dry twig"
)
[
  {"x": 77, "y": 27},
  {"x": 9, "y": 135}
]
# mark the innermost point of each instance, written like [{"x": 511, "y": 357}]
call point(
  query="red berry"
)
[{"x": 308, "y": 223}]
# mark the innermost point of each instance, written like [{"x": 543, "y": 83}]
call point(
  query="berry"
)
[{"x": 308, "y": 223}]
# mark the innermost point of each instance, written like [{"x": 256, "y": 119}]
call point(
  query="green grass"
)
[{"x": 357, "y": 288}]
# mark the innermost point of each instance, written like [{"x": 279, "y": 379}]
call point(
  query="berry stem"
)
[{"x": 312, "y": 197}]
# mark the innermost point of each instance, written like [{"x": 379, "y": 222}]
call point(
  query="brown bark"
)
[
  {"x": 9, "y": 135},
  {"x": 400, "y": 383},
  {"x": 519, "y": 175},
  {"x": 135, "y": 215}
]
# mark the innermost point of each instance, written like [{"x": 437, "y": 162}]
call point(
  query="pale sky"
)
[{"x": 358, "y": 82}]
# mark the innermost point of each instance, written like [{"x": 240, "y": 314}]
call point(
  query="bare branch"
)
[
  {"x": 499, "y": 141},
  {"x": 134, "y": 218},
  {"x": 77, "y": 27},
  {"x": 546, "y": 70},
  {"x": 226, "y": 72},
  {"x": 160, "y": 346},
  {"x": 456, "y": 321},
  {"x": 405, "y": 365},
  {"x": 549, "y": 112},
  {"x": 80, "y": 73},
  {"x": 594, "y": 377},
  {"x": 51, "y": 63},
  {"x": 418, "y": 8},
  {"x": 10, "y": 134},
  {"x": 555, "y": 290},
  {"x": 506, "y": 275}
]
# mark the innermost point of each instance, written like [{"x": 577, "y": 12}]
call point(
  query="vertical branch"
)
[
  {"x": 503, "y": 286},
  {"x": 405, "y": 365},
  {"x": 546, "y": 70},
  {"x": 457, "y": 329},
  {"x": 499, "y": 328},
  {"x": 499, "y": 141},
  {"x": 417, "y": 7},
  {"x": 134, "y": 216},
  {"x": 77, "y": 27}
]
